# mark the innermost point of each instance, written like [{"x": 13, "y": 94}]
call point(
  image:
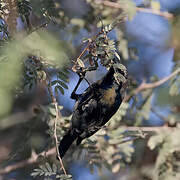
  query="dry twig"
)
[
  {"x": 90, "y": 41},
  {"x": 149, "y": 129},
  {"x": 143, "y": 86},
  {"x": 55, "y": 123}
]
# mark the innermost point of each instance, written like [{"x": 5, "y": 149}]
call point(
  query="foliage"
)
[
  {"x": 38, "y": 40},
  {"x": 47, "y": 170},
  {"x": 167, "y": 163}
]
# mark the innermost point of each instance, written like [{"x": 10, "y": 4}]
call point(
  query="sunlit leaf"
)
[
  {"x": 174, "y": 89},
  {"x": 155, "y": 140}
]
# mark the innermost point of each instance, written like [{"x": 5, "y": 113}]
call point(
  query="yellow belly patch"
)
[{"x": 109, "y": 96}]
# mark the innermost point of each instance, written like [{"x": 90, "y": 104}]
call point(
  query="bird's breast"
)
[{"x": 108, "y": 97}]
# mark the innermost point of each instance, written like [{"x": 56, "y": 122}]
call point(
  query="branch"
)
[
  {"x": 90, "y": 41},
  {"x": 149, "y": 129},
  {"x": 119, "y": 6},
  {"x": 56, "y": 139},
  {"x": 162, "y": 81},
  {"x": 55, "y": 123},
  {"x": 143, "y": 86},
  {"x": 29, "y": 161}
]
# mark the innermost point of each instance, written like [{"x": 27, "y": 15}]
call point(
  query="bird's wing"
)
[
  {"x": 87, "y": 110},
  {"x": 92, "y": 92}
]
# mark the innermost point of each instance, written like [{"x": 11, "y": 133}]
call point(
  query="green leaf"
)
[
  {"x": 34, "y": 174},
  {"x": 60, "y": 89},
  {"x": 52, "y": 110},
  {"x": 54, "y": 167},
  {"x": 54, "y": 82},
  {"x": 174, "y": 89},
  {"x": 63, "y": 84},
  {"x": 64, "y": 177},
  {"x": 48, "y": 167},
  {"x": 59, "y": 83},
  {"x": 63, "y": 76},
  {"x": 43, "y": 168},
  {"x": 155, "y": 140},
  {"x": 117, "y": 55}
]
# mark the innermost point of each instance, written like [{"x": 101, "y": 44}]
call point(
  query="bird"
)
[{"x": 95, "y": 106}]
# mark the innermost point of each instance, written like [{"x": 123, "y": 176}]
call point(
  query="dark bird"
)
[{"x": 95, "y": 106}]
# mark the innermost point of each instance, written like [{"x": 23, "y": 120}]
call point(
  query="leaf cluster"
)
[
  {"x": 49, "y": 171},
  {"x": 168, "y": 160}
]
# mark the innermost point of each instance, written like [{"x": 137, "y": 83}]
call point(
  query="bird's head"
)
[{"x": 120, "y": 73}]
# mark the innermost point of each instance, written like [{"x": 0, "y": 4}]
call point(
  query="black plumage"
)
[{"x": 95, "y": 106}]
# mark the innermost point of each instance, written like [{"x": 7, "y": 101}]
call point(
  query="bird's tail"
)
[{"x": 66, "y": 142}]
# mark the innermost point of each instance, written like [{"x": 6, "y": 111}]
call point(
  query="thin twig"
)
[
  {"x": 90, "y": 41},
  {"x": 55, "y": 123},
  {"x": 148, "y": 129},
  {"x": 56, "y": 139},
  {"x": 143, "y": 86},
  {"x": 125, "y": 6},
  {"x": 162, "y": 81},
  {"x": 84, "y": 50},
  {"x": 156, "y": 12}
]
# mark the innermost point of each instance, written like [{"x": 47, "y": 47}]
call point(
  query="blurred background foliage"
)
[{"x": 39, "y": 45}]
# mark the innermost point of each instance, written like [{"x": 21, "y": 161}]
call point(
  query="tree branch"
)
[
  {"x": 119, "y": 6},
  {"x": 90, "y": 41},
  {"x": 55, "y": 123},
  {"x": 143, "y": 86},
  {"x": 149, "y": 129},
  {"x": 56, "y": 139},
  {"x": 29, "y": 161}
]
